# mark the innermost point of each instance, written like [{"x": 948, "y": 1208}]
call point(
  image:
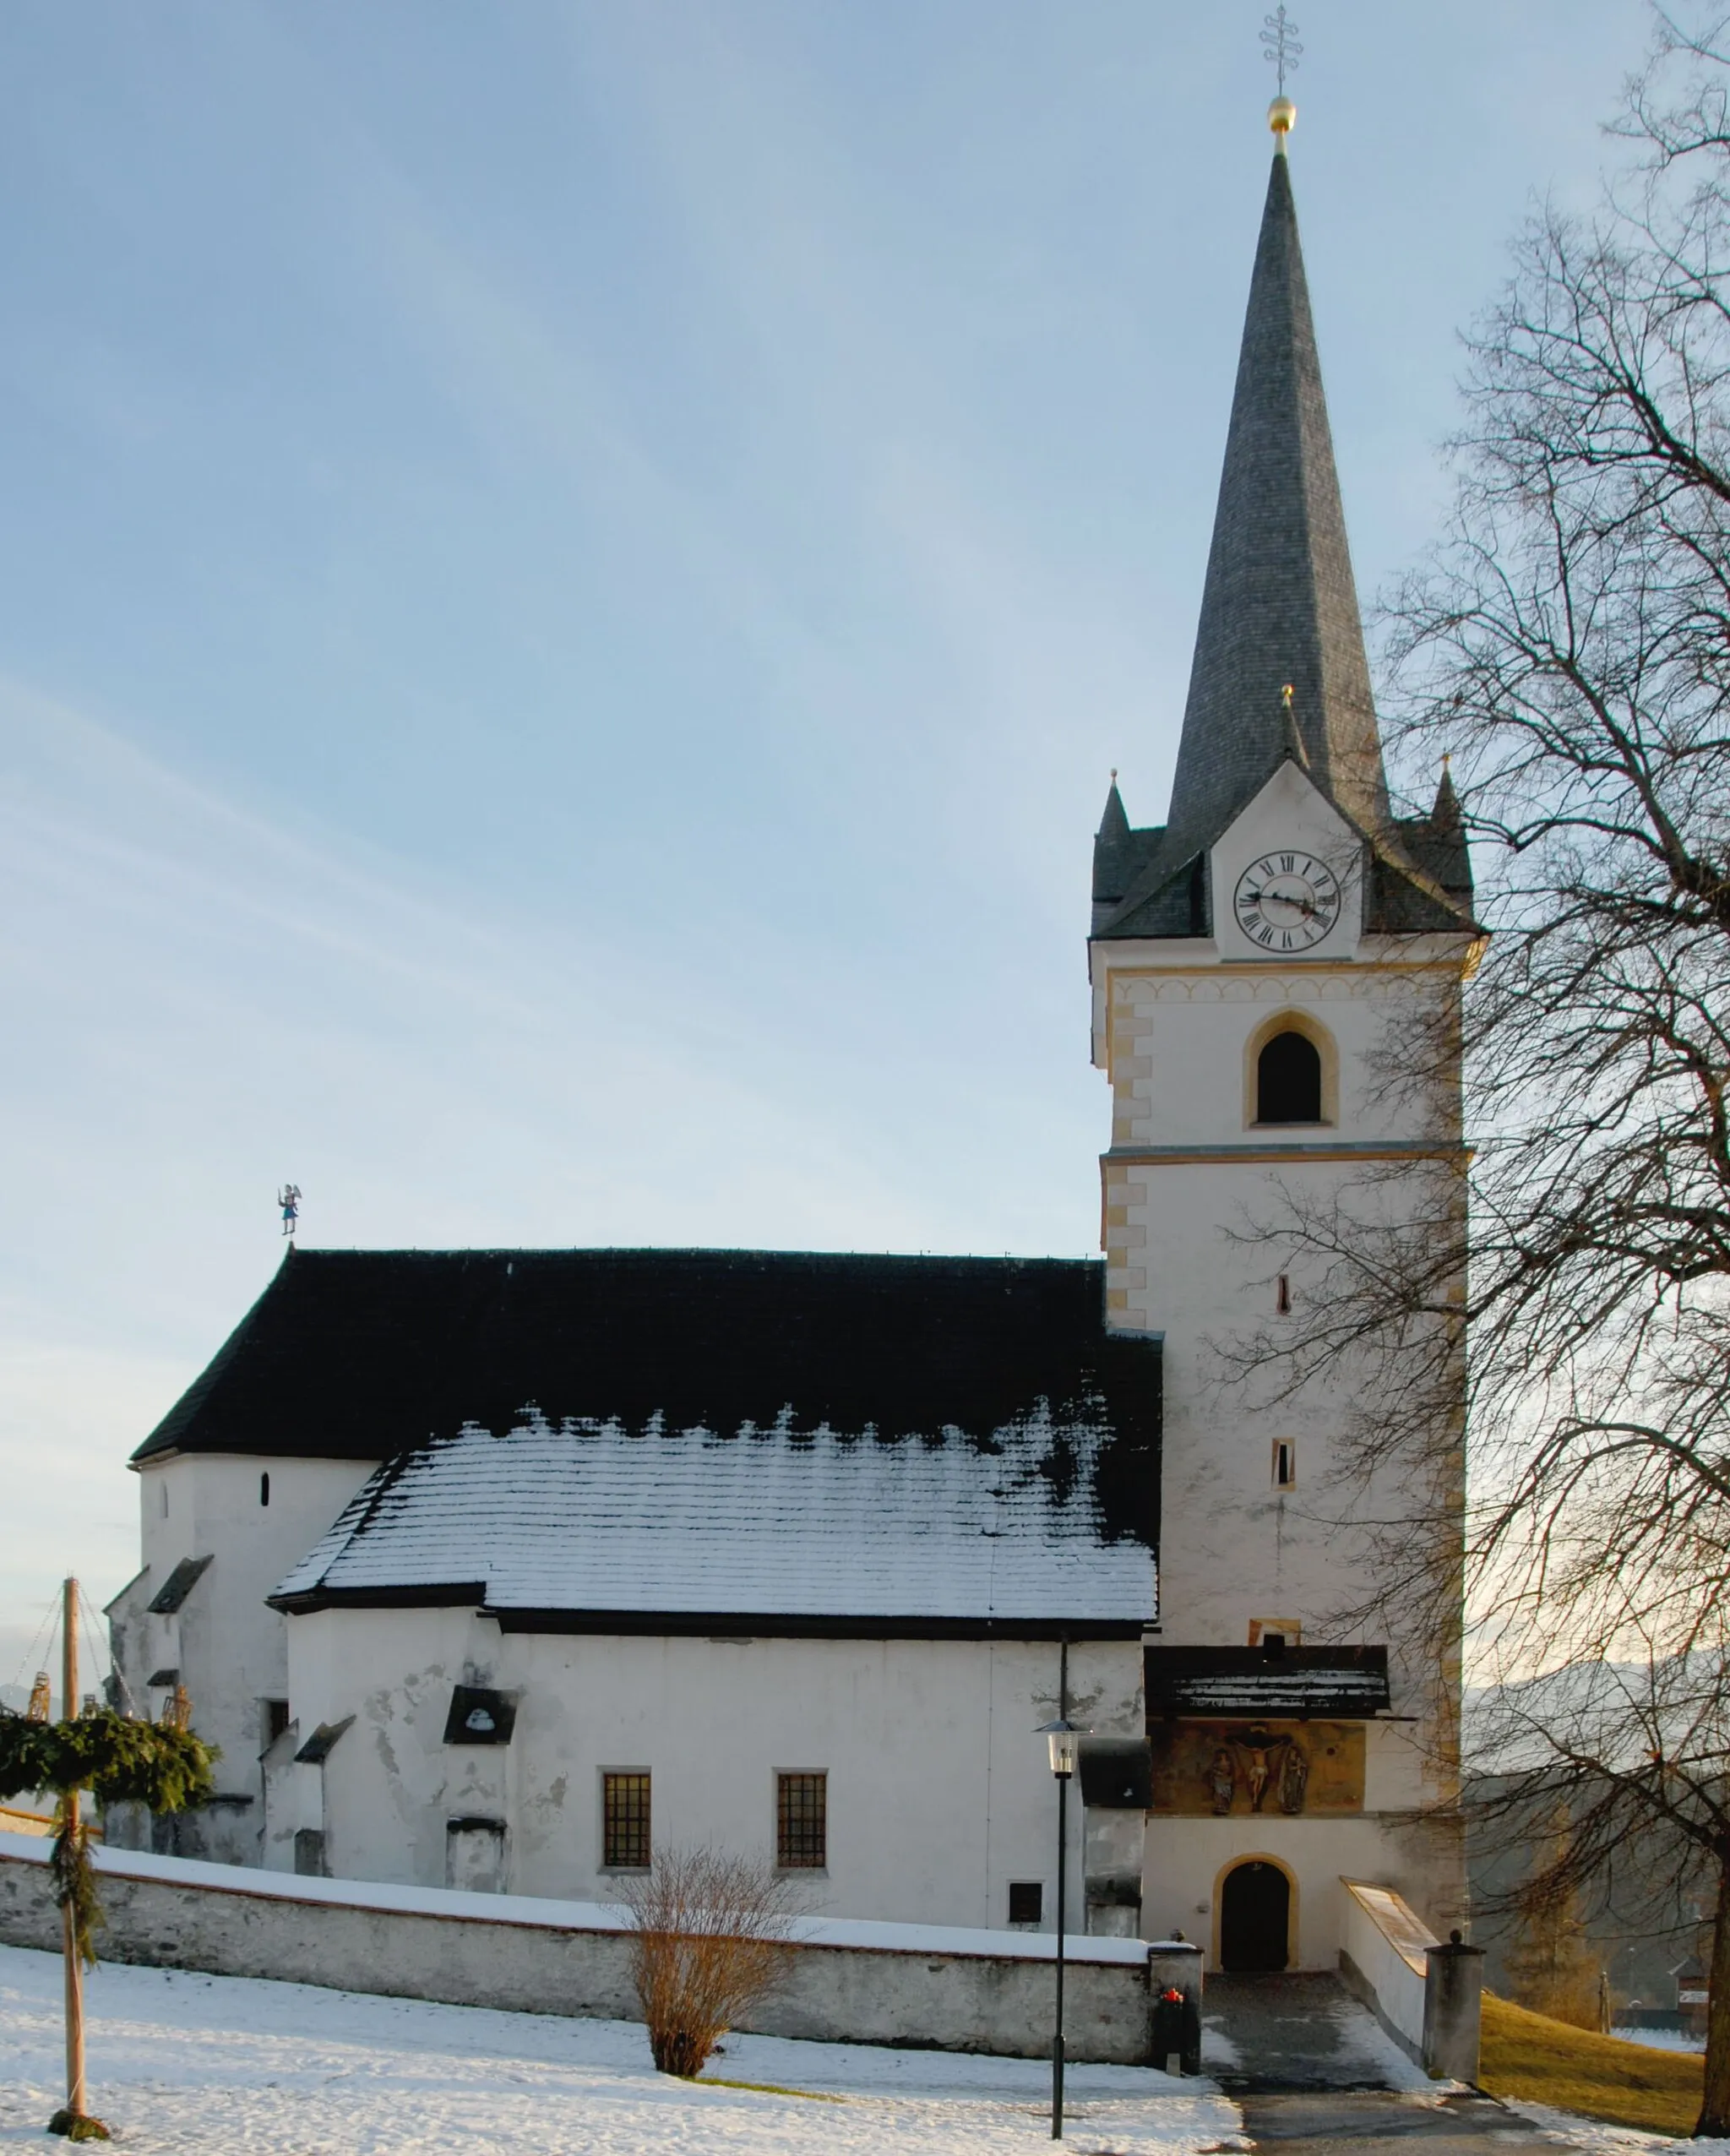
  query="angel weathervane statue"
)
[{"x": 289, "y": 1198}]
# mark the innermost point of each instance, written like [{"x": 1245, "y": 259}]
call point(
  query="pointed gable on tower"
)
[{"x": 1279, "y": 613}]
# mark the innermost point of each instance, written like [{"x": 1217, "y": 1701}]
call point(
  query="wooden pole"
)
[{"x": 75, "y": 2095}]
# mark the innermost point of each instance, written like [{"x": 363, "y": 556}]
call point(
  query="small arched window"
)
[
  {"x": 264, "y": 1489},
  {"x": 1289, "y": 1081}
]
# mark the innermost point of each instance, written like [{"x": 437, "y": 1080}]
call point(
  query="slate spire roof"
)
[
  {"x": 1279, "y": 603},
  {"x": 1279, "y": 606}
]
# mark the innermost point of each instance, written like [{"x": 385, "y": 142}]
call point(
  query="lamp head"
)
[{"x": 1062, "y": 1738}]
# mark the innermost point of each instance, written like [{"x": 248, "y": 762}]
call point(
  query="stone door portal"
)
[{"x": 1255, "y": 1917}]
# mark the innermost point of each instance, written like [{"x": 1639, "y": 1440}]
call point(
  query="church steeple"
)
[
  {"x": 1280, "y": 604},
  {"x": 1279, "y": 671}
]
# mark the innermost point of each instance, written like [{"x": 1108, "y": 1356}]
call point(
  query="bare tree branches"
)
[{"x": 1568, "y": 646}]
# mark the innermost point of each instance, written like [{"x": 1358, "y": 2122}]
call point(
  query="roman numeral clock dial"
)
[{"x": 1287, "y": 902}]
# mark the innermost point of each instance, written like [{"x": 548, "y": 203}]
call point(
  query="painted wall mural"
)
[{"x": 1229, "y": 1769}]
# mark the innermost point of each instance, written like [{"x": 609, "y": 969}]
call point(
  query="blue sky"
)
[{"x": 574, "y": 577}]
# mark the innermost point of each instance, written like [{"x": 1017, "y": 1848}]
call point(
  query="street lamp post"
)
[{"x": 1060, "y": 1736}]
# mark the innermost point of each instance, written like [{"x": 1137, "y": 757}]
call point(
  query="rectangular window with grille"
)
[
  {"x": 624, "y": 1822},
  {"x": 802, "y": 1821}
]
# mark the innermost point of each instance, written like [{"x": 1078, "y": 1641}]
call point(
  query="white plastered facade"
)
[
  {"x": 938, "y": 1797},
  {"x": 253, "y": 1518},
  {"x": 1190, "y": 1175},
  {"x": 939, "y": 1800}
]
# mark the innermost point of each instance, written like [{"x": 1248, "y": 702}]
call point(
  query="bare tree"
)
[
  {"x": 1611, "y": 1774},
  {"x": 709, "y": 1940},
  {"x": 1567, "y": 647}
]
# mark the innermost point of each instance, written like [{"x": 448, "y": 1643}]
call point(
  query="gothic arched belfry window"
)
[{"x": 1289, "y": 1081}]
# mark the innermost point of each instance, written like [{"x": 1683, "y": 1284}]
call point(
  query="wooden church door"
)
[{"x": 1255, "y": 1917}]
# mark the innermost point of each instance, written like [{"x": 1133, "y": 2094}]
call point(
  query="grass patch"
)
[
  {"x": 768, "y": 2089},
  {"x": 1543, "y": 2061}
]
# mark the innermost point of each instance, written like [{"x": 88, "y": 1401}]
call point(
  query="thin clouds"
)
[
  {"x": 216, "y": 1003},
  {"x": 592, "y": 562}
]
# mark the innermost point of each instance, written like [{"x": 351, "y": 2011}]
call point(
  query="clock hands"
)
[
  {"x": 1280, "y": 898},
  {"x": 1286, "y": 901}
]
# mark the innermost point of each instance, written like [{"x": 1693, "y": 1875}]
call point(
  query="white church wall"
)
[
  {"x": 1177, "y": 1039},
  {"x": 1187, "y": 1860},
  {"x": 1177, "y": 1027},
  {"x": 229, "y": 1647},
  {"x": 939, "y": 1795},
  {"x": 1240, "y": 1547}
]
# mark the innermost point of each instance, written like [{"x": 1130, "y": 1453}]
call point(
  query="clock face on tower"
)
[{"x": 1287, "y": 902}]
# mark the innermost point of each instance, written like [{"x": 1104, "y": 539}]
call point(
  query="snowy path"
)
[{"x": 221, "y": 2064}]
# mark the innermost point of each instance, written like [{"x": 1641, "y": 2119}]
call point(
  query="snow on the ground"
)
[
  {"x": 1217, "y": 2049},
  {"x": 1597, "y": 2138},
  {"x": 1373, "y": 2054},
  {"x": 1358, "y": 2052},
  {"x": 179, "y": 2061},
  {"x": 1661, "y": 2039}
]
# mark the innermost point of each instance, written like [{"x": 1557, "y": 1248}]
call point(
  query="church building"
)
[{"x": 500, "y": 1568}]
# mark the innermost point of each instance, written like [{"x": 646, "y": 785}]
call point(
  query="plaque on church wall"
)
[{"x": 1309, "y": 1769}]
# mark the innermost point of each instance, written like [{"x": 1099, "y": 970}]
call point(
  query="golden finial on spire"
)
[{"x": 1280, "y": 39}]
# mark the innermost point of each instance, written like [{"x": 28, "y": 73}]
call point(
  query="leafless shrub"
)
[{"x": 710, "y": 1934}]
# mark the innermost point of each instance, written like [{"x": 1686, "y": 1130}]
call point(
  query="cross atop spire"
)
[{"x": 1279, "y": 38}]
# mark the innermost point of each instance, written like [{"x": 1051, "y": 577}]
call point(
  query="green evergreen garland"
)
[{"x": 119, "y": 1761}]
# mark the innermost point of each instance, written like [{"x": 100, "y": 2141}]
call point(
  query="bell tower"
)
[{"x": 1244, "y": 955}]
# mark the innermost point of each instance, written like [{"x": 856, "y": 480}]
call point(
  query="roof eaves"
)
[
  {"x": 165, "y": 1439},
  {"x": 1159, "y": 882},
  {"x": 320, "y": 1745},
  {"x": 114, "y": 1601},
  {"x": 179, "y": 1584},
  {"x": 448, "y": 1594},
  {"x": 793, "y": 1625}
]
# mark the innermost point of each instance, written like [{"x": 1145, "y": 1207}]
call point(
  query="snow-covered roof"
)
[
  {"x": 595, "y": 1525},
  {"x": 1348, "y": 1681}
]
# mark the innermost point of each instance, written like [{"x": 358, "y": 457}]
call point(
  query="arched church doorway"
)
[{"x": 1255, "y": 1917}]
